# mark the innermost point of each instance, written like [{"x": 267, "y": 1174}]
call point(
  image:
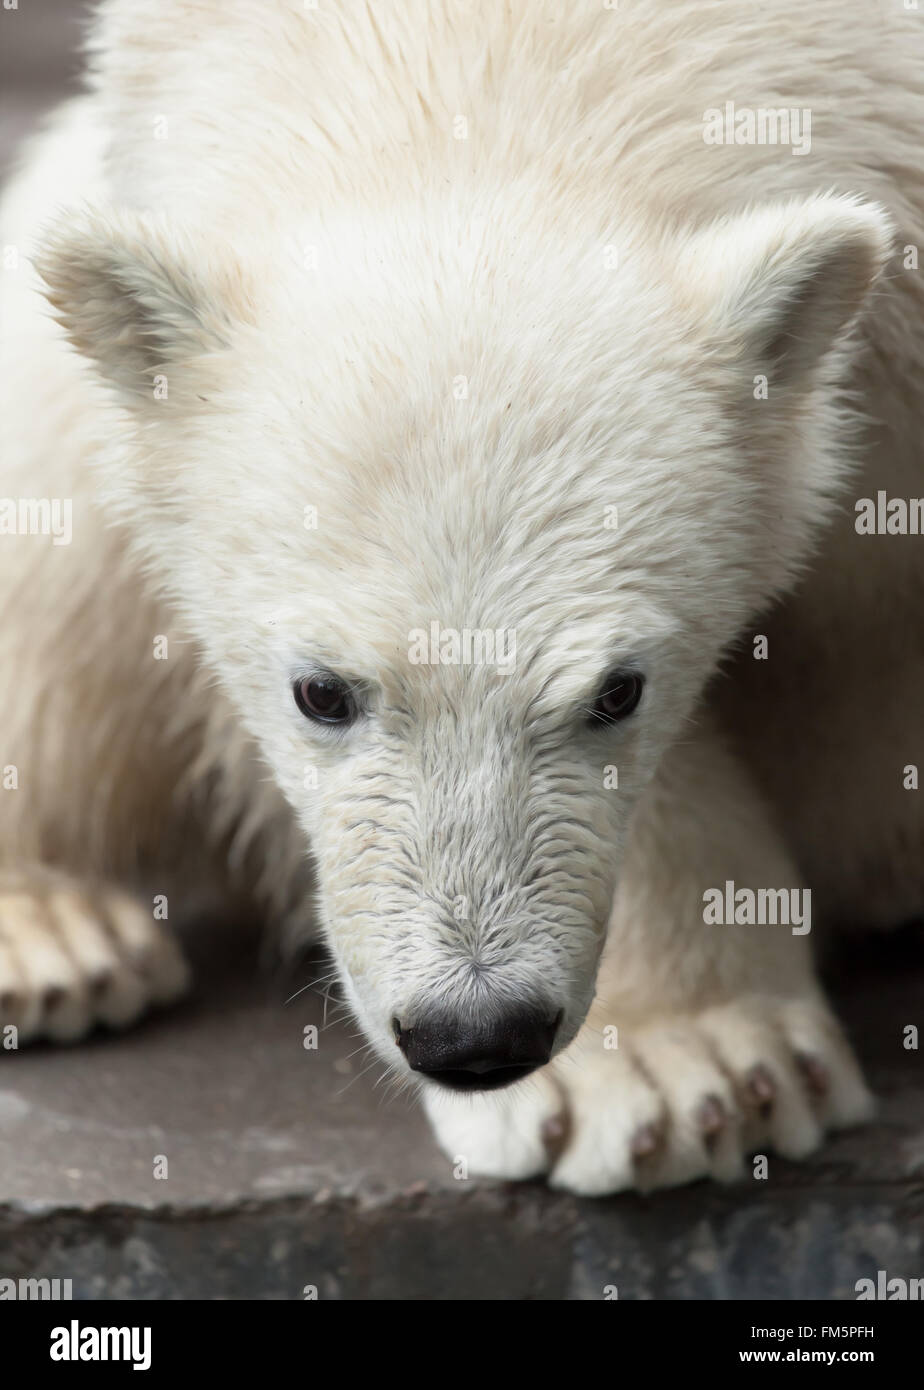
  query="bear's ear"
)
[
  {"x": 781, "y": 284},
  {"x": 137, "y": 296}
]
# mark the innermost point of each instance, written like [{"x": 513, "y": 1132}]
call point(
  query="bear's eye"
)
[
  {"x": 621, "y": 692},
  {"x": 326, "y": 699}
]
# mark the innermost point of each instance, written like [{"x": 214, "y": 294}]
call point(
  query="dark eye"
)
[
  {"x": 621, "y": 693},
  {"x": 325, "y": 699}
]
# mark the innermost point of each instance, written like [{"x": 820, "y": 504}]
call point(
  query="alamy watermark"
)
[
  {"x": 889, "y": 516},
  {"x": 467, "y": 646},
  {"x": 893, "y": 1290},
  {"x": 37, "y": 516},
  {"x": 76, "y": 1343},
  {"x": 763, "y": 125},
  {"x": 36, "y": 1290},
  {"x": 759, "y": 907}
]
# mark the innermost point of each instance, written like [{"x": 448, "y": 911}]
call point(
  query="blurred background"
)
[{"x": 40, "y": 63}]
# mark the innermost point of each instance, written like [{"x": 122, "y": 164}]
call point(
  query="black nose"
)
[{"x": 482, "y": 1056}]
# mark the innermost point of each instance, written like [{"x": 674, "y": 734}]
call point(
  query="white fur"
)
[{"x": 298, "y": 138}]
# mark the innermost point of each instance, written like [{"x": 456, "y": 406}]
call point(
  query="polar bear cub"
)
[{"x": 461, "y": 415}]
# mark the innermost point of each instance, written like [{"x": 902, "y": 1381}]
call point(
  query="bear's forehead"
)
[{"x": 453, "y": 640}]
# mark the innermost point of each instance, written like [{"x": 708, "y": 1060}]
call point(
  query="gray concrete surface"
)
[{"x": 289, "y": 1167}]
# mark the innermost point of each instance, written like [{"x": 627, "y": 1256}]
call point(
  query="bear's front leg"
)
[
  {"x": 706, "y": 1042},
  {"x": 74, "y": 954}
]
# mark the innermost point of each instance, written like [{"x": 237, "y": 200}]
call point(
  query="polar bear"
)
[{"x": 432, "y": 516}]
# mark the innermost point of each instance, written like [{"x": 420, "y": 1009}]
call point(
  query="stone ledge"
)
[{"x": 286, "y": 1169}]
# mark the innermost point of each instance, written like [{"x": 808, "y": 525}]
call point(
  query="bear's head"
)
[{"x": 462, "y": 520}]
